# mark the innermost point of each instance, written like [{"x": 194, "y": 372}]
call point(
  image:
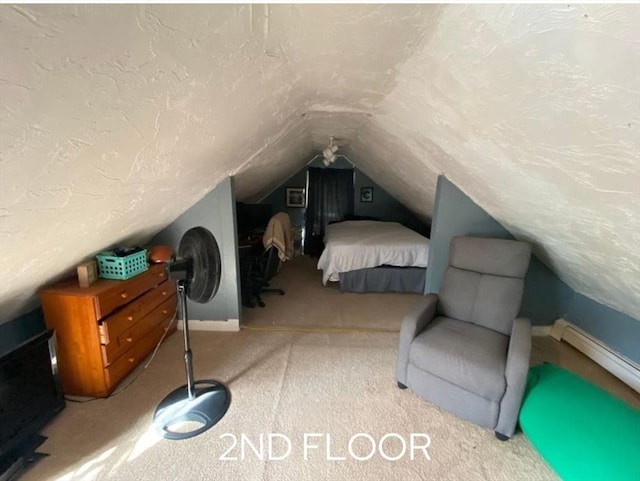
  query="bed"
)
[{"x": 373, "y": 256}]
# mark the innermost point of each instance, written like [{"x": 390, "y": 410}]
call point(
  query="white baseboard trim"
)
[
  {"x": 624, "y": 369},
  {"x": 230, "y": 325},
  {"x": 558, "y": 327},
  {"x": 539, "y": 331}
]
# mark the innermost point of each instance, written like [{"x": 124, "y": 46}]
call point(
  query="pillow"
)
[{"x": 582, "y": 431}]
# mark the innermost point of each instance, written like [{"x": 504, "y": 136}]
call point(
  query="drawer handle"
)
[
  {"x": 129, "y": 339},
  {"x": 124, "y": 294},
  {"x": 164, "y": 293},
  {"x": 129, "y": 318},
  {"x": 165, "y": 311},
  {"x": 131, "y": 359},
  {"x": 161, "y": 274}
]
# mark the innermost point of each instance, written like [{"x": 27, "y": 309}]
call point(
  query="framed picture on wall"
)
[
  {"x": 295, "y": 197},
  {"x": 366, "y": 194}
]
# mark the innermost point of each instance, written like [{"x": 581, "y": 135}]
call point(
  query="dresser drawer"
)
[
  {"x": 114, "y": 325},
  {"x": 125, "y": 364},
  {"x": 127, "y": 338},
  {"x": 122, "y": 292}
]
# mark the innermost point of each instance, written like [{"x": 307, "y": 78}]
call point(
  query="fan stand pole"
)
[
  {"x": 188, "y": 356},
  {"x": 198, "y": 405}
]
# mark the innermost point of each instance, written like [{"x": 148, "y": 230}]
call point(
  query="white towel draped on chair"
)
[{"x": 278, "y": 234}]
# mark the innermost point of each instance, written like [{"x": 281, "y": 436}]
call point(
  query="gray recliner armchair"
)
[{"x": 464, "y": 349}]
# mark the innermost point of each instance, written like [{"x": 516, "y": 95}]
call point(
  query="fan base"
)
[{"x": 179, "y": 417}]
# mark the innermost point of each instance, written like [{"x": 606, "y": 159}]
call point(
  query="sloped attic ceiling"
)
[{"x": 117, "y": 118}]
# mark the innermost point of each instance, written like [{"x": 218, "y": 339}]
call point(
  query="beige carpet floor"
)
[
  {"x": 308, "y": 303},
  {"x": 336, "y": 384}
]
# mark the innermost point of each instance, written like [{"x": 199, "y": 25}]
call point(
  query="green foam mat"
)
[{"x": 583, "y": 432}]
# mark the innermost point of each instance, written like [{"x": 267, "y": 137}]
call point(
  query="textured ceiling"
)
[{"x": 117, "y": 118}]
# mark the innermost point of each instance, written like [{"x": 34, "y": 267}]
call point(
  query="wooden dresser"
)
[{"x": 105, "y": 330}]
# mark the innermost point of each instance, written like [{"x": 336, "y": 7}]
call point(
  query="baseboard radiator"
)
[{"x": 621, "y": 367}]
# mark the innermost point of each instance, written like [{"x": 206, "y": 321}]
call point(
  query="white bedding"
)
[{"x": 353, "y": 245}]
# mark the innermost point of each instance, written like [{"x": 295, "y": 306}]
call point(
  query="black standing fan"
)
[{"x": 198, "y": 405}]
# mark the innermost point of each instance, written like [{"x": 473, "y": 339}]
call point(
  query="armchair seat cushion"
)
[{"x": 465, "y": 354}]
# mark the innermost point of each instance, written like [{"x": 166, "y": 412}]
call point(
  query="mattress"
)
[{"x": 354, "y": 245}]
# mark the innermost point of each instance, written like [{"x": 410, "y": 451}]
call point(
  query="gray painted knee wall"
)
[
  {"x": 546, "y": 297},
  {"x": 216, "y": 212}
]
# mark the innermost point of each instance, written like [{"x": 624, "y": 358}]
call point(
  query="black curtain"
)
[{"x": 330, "y": 198}]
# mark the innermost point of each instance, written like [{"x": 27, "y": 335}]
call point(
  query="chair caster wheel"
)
[
  {"x": 501, "y": 436},
  {"x": 261, "y": 304},
  {"x": 401, "y": 386},
  {"x": 281, "y": 293}
]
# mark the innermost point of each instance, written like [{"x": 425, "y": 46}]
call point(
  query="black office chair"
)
[{"x": 264, "y": 269}]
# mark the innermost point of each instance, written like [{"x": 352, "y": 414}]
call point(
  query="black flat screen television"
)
[{"x": 30, "y": 392}]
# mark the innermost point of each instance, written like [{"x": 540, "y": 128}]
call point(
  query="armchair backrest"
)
[{"x": 484, "y": 280}]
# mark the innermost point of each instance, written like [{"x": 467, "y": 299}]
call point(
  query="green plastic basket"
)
[{"x": 111, "y": 266}]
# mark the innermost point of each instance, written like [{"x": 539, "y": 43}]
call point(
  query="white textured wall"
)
[
  {"x": 115, "y": 119},
  {"x": 534, "y": 111}
]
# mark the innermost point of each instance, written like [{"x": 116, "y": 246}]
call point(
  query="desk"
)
[
  {"x": 247, "y": 255},
  {"x": 250, "y": 240}
]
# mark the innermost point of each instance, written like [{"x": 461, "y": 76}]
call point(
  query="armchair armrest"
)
[
  {"x": 413, "y": 323},
  {"x": 516, "y": 372}
]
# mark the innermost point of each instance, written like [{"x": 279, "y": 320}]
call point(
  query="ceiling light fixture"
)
[{"x": 329, "y": 153}]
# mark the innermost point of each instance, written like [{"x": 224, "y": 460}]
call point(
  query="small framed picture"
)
[
  {"x": 295, "y": 197},
  {"x": 366, "y": 194}
]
